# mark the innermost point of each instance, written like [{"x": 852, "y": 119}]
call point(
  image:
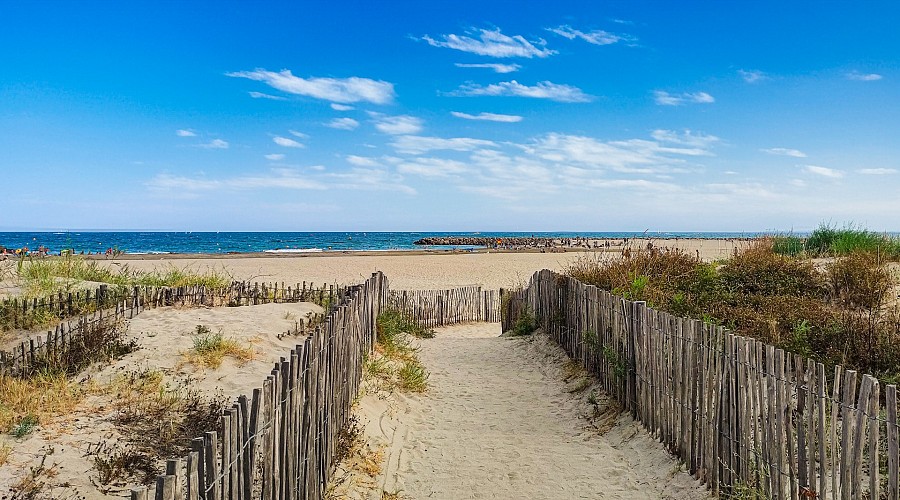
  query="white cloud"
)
[
  {"x": 596, "y": 37},
  {"x": 432, "y": 167},
  {"x": 785, "y": 152},
  {"x": 491, "y": 117},
  {"x": 339, "y": 90},
  {"x": 686, "y": 138},
  {"x": 414, "y": 144},
  {"x": 492, "y": 43},
  {"x": 341, "y": 107},
  {"x": 627, "y": 156},
  {"x": 753, "y": 76},
  {"x": 664, "y": 98},
  {"x": 800, "y": 183},
  {"x": 260, "y": 95},
  {"x": 281, "y": 178},
  {"x": 543, "y": 90},
  {"x": 397, "y": 125},
  {"x": 823, "y": 171},
  {"x": 343, "y": 123},
  {"x": 275, "y": 156},
  {"x": 867, "y": 77},
  {"x": 362, "y": 161},
  {"x": 185, "y": 133},
  {"x": 214, "y": 144},
  {"x": 370, "y": 179},
  {"x": 498, "y": 68},
  {"x": 298, "y": 134},
  {"x": 877, "y": 171},
  {"x": 285, "y": 142}
]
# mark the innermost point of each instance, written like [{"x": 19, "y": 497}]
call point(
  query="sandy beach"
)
[{"x": 411, "y": 269}]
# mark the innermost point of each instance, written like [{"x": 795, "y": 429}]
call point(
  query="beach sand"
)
[{"x": 410, "y": 270}]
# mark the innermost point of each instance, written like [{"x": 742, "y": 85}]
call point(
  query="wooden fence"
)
[
  {"x": 280, "y": 443},
  {"x": 434, "y": 308},
  {"x": 747, "y": 419},
  {"x": 21, "y": 313},
  {"x": 131, "y": 301}
]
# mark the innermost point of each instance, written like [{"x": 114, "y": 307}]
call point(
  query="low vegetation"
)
[
  {"x": 157, "y": 420},
  {"x": 47, "y": 389},
  {"x": 395, "y": 363},
  {"x": 831, "y": 241},
  {"x": 838, "y": 312},
  {"x": 210, "y": 349},
  {"x": 39, "y": 279}
]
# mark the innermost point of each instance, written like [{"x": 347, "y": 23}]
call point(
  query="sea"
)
[{"x": 284, "y": 242}]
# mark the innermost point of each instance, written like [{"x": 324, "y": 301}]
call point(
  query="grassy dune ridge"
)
[{"x": 839, "y": 311}]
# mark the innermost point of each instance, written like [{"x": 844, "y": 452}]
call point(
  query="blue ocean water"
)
[{"x": 233, "y": 242}]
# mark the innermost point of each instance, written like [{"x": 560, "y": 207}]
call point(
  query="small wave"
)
[{"x": 294, "y": 250}]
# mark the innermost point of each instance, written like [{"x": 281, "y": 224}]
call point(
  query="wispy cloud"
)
[
  {"x": 491, "y": 117},
  {"x": 498, "y": 68},
  {"x": 492, "y": 43},
  {"x": 370, "y": 179},
  {"x": 275, "y": 156},
  {"x": 362, "y": 161},
  {"x": 624, "y": 156},
  {"x": 785, "y": 152},
  {"x": 339, "y": 90},
  {"x": 877, "y": 171},
  {"x": 685, "y": 138},
  {"x": 432, "y": 167},
  {"x": 397, "y": 125},
  {"x": 595, "y": 37},
  {"x": 287, "y": 142},
  {"x": 280, "y": 178},
  {"x": 823, "y": 171},
  {"x": 298, "y": 134},
  {"x": 343, "y": 123},
  {"x": 341, "y": 107},
  {"x": 185, "y": 133},
  {"x": 753, "y": 76},
  {"x": 863, "y": 77},
  {"x": 414, "y": 144},
  {"x": 543, "y": 90},
  {"x": 214, "y": 144},
  {"x": 260, "y": 95},
  {"x": 664, "y": 98}
]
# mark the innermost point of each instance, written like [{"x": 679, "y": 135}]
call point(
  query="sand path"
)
[{"x": 499, "y": 420}]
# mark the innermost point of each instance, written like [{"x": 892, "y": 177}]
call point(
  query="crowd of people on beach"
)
[{"x": 43, "y": 251}]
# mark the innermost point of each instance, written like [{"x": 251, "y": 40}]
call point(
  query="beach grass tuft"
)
[
  {"x": 211, "y": 349},
  {"x": 395, "y": 362}
]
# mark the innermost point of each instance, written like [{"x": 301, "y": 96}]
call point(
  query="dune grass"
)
[
  {"x": 829, "y": 240},
  {"x": 395, "y": 364},
  {"x": 211, "y": 349},
  {"x": 25, "y": 403},
  {"x": 841, "y": 312},
  {"x": 157, "y": 420},
  {"x": 44, "y": 276}
]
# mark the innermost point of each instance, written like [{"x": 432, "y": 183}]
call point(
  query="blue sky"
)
[{"x": 590, "y": 116}]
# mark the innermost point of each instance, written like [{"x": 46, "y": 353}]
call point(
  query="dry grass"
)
[
  {"x": 157, "y": 420},
  {"x": 36, "y": 399},
  {"x": 841, "y": 313},
  {"x": 210, "y": 349},
  {"x": 5, "y": 450}
]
